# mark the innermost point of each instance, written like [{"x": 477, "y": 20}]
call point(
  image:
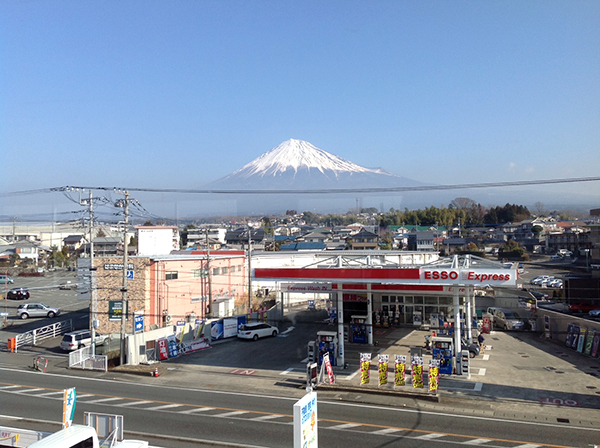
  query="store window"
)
[
  {"x": 385, "y": 299},
  {"x": 431, "y": 300}
]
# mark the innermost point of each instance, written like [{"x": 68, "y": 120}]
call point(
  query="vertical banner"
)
[
  {"x": 384, "y": 361},
  {"x": 400, "y": 370},
  {"x": 305, "y": 422},
  {"x": 328, "y": 368},
  {"x": 163, "y": 349},
  {"x": 69, "y": 401},
  {"x": 434, "y": 375},
  {"x": 417, "y": 371},
  {"x": 365, "y": 368}
]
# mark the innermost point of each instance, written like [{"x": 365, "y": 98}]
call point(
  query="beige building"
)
[{"x": 168, "y": 288}]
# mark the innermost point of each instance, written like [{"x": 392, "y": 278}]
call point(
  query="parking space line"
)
[{"x": 285, "y": 372}]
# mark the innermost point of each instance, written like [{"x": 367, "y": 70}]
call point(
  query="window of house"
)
[
  {"x": 200, "y": 273},
  {"x": 216, "y": 271},
  {"x": 171, "y": 275},
  {"x": 224, "y": 270}
]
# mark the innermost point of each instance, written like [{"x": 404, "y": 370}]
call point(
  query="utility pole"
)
[
  {"x": 124, "y": 288},
  {"x": 249, "y": 271},
  {"x": 210, "y": 295},
  {"x": 93, "y": 303}
]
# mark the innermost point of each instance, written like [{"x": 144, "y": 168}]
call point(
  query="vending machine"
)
[
  {"x": 327, "y": 341},
  {"x": 443, "y": 349},
  {"x": 359, "y": 329}
]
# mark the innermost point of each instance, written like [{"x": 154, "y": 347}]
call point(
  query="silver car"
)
[{"x": 36, "y": 309}]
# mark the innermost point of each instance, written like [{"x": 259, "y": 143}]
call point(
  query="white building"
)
[{"x": 157, "y": 240}]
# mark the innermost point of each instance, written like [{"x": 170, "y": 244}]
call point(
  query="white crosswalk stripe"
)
[{"x": 527, "y": 445}]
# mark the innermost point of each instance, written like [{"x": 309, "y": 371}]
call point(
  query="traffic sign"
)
[
  {"x": 3, "y": 314},
  {"x": 139, "y": 322},
  {"x": 130, "y": 275}
]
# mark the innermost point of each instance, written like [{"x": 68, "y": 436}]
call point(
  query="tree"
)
[
  {"x": 101, "y": 233},
  {"x": 148, "y": 224}
]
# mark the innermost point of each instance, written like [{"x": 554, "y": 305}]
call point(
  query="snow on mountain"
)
[
  {"x": 295, "y": 155},
  {"x": 297, "y": 164}
]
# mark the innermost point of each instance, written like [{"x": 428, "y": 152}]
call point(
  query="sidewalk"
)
[{"x": 520, "y": 374}]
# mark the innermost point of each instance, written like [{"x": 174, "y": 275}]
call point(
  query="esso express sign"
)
[{"x": 475, "y": 277}]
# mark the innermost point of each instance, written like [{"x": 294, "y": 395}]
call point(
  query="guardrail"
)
[
  {"x": 85, "y": 359},
  {"x": 39, "y": 334}
]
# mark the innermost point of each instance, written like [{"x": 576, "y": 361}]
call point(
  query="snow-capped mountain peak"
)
[{"x": 293, "y": 155}]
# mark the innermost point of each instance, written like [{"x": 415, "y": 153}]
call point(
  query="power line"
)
[{"x": 318, "y": 191}]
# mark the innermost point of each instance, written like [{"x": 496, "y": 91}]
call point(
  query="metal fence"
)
[
  {"x": 85, "y": 359},
  {"x": 33, "y": 337}
]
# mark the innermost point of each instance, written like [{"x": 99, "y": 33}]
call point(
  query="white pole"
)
[
  {"x": 369, "y": 315},
  {"x": 340, "y": 318}
]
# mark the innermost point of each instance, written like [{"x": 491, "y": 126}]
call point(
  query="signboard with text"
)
[{"x": 305, "y": 422}]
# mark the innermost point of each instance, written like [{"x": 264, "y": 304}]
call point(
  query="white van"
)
[{"x": 506, "y": 319}]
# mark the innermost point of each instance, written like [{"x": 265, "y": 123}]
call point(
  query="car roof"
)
[{"x": 77, "y": 332}]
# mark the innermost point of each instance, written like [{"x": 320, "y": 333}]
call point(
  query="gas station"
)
[{"x": 432, "y": 295}]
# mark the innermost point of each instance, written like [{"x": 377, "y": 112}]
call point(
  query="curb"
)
[{"x": 436, "y": 398}]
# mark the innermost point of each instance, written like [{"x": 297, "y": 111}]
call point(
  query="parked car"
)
[
  {"x": 539, "y": 295},
  {"x": 506, "y": 319},
  {"x": 257, "y": 330},
  {"x": 556, "y": 283},
  {"x": 581, "y": 307},
  {"x": 18, "y": 294},
  {"x": 36, "y": 309},
  {"x": 539, "y": 279},
  {"x": 595, "y": 313},
  {"x": 5, "y": 279},
  {"x": 66, "y": 285},
  {"x": 473, "y": 348},
  {"x": 75, "y": 340}
]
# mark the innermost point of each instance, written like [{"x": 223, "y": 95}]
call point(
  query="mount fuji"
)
[
  {"x": 298, "y": 175},
  {"x": 299, "y": 165}
]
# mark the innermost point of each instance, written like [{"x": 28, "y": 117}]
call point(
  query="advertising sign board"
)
[
  {"x": 305, "y": 422},
  {"x": 230, "y": 327}
]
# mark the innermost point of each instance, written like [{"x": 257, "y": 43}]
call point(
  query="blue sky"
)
[{"x": 180, "y": 93}]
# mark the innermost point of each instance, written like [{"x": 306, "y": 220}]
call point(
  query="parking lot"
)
[{"x": 44, "y": 289}]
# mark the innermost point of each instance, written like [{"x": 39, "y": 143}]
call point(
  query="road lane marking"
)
[
  {"x": 481, "y": 372},
  {"x": 230, "y": 414},
  {"x": 486, "y": 357},
  {"x": 351, "y": 376},
  {"x": 164, "y": 406},
  {"x": 30, "y": 390},
  {"x": 476, "y": 442},
  {"x": 386, "y": 431},
  {"x": 133, "y": 403},
  {"x": 285, "y": 372},
  {"x": 344, "y": 426},
  {"x": 433, "y": 435},
  {"x": 191, "y": 411},
  {"x": 266, "y": 417},
  {"x": 527, "y": 445},
  {"x": 103, "y": 400},
  {"x": 47, "y": 394}
]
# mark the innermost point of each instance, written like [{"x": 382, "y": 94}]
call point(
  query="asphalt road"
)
[{"x": 170, "y": 416}]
